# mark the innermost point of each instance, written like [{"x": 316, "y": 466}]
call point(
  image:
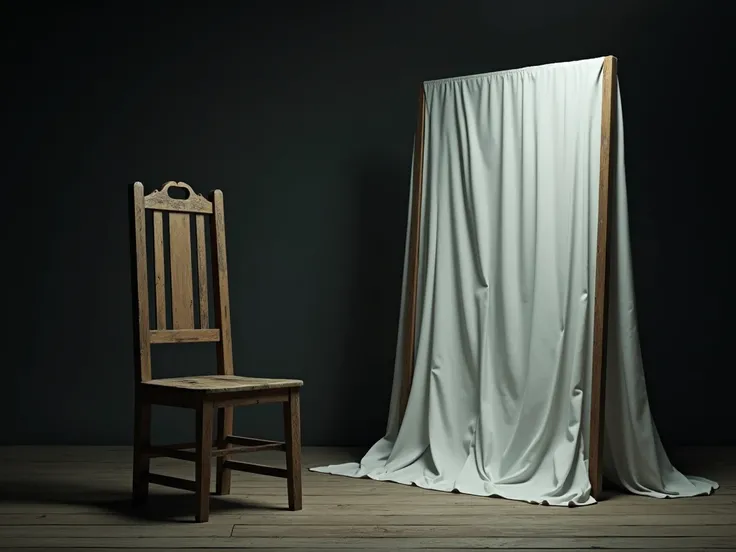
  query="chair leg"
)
[
  {"x": 141, "y": 441},
  {"x": 203, "y": 464},
  {"x": 224, "y": 429},
  {"x": 292, "y": 432}
]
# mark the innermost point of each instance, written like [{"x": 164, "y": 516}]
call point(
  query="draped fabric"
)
[{"x": 500, "y": 399}]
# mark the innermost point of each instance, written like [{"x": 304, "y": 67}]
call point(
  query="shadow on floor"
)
[{"x": 163, "y": 504}]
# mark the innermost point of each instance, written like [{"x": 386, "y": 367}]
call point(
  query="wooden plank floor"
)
[{"x": 78, "y": 498}]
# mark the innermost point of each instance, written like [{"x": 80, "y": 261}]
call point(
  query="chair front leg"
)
[
  {"x": 141, "y": 442},
  {"x": 224, "y": 430},
  {"x": 292, "y": 432},
  {"x": 203, "y": 460}
]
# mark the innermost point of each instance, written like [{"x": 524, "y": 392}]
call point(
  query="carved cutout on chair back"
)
[{"x": 179, "y": 219}]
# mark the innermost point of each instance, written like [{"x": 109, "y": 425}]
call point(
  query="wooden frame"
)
[
  {"x": 410, "y": 315},
  {"x": 600, "y": 309},
  {"x": 213, "y": 397}
]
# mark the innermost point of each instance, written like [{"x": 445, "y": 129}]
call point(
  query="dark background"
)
[{"x": 303, "y": 114}]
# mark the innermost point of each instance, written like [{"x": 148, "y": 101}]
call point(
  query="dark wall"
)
[{"x": 304, "y": 118}]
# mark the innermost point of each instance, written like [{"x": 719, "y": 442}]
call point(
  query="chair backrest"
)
[{"x": 184, "y": 239}]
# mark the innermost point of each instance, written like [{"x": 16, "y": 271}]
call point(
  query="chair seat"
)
[{"x": 220, "y": 383}]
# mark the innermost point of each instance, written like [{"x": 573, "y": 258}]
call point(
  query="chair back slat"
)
[
  {"x": 204, "y": 306},
  {"x": 180, "y": 257},
  {"x": 159, "y": 267}
]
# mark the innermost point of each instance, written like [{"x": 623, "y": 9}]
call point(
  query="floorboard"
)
[{"x": 77, "y": 498}]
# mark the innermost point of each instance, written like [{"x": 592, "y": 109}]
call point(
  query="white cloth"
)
[{"x": 499, "y": 404}]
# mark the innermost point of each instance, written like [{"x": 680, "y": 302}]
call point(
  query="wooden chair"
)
[{"x": 204, "y": 394}]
